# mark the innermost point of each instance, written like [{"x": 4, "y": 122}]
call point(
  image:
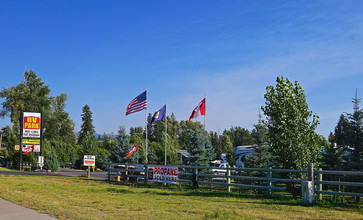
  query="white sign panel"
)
[
  {"x": 162, "y": 174},
  {"x": 31, "y": 124},
  {"x": 41, "y": 162},
  {"x": 30, "y": 148},
  {"x": 89, "y": 160}
]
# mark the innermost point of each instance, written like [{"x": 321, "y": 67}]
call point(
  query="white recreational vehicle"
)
[{"x": 241, "y": 153}]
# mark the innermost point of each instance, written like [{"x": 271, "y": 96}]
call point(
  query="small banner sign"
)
[
  {"x": 31, "y": 141},
  {"x": 162, "y": 174},
  {"x": 89, "y": 160},
  {"x": 31, "y": 124}
]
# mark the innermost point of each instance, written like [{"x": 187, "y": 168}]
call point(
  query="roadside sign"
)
[
  {"x": 17, "y": 147},
  {"x": 89, "y": 160},
  {"x": 31, "y": 148},
  {"x": 31, "y": 141},
  {"x": 31, "y": 124},
  {"x": 162, "y": 174},
  {"x": 41, "y": 162}
]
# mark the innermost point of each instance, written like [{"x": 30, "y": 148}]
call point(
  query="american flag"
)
[{"x": 137, "y": 104}]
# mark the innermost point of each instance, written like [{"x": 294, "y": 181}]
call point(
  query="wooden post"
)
[
  {"x": 228, "y": 180},
  {"x": 269, "y": 176},
  {"x": 320, "y": 186},
  {"x": 310, "y": 172},
  {"x": 109, "y": 171},
  {"x": 89, "y": 172},
  {"x": 146, "y": 173},
  {"x": 126, "y": 172}
]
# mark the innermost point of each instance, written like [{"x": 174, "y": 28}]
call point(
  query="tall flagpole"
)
[
  {"x": 205, "y": 108},
  {"x": 166, "y": 130},
  {"x": 146, "y": 131}
]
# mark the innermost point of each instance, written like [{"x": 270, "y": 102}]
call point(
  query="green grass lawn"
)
[{"x": 80, "y": 198}]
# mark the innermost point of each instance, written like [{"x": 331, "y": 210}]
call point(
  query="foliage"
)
[
  {"x": 89, "y": 144},
  {"x": 87, "y": 126},
  {"x": 51, "y": 161},
  {"x": 239, "y": 136},
  {"x": 261, "y": 157},
  {"x": 227, "y": 148},
  {"x": 293, "y": 141},
  {"x": 200, "y": 148},
  {"x": 30, "y": 95},
  {"x": 349, "y": 136},
  {"x": 332, "y": 155},
  {"x": 122, "y": 147}
]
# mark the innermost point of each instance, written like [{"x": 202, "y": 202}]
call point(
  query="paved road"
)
[{"x": 61, "y": 172}]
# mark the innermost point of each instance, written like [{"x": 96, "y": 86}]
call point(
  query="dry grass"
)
[{"x": 80, "y": 198}]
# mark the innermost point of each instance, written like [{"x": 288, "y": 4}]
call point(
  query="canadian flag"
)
[
  {"x": 133, "y": 150},
  {"x": 199, "y": 110},
  {"x": 27, "y": 150}
]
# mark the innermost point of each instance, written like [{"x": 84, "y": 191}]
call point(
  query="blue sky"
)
[{"x": 104, "y": 53}]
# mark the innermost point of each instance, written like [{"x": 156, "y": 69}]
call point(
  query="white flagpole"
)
[
  {"x": 205, "y": 108},
  {"x": 166, "y": 130},
  {"x": 146, "y": 130}
]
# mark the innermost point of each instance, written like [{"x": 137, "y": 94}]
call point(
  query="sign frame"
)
[
  {"x": 162, "y": 174},
  {"x": 89, "y": 160}
]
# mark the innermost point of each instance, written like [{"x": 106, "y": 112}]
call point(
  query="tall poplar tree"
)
[{"x": 292, "y": 136}]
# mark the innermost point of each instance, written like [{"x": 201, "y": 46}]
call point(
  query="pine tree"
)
[
  {"x": 51, "y": 161},
  {"x": 87, "y": 126},
  {"x": 261, "y": 157},
  {"x": 200, "y": 148},
  {"x": 122, "y": 147},
  {"x": 227, "y": 148},
  {"x": 355, "y": 137},
  {"x": 332, "y": 155},
  {"x": 89, "y": 145}
]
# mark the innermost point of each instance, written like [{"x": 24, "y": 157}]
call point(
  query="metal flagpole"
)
[
  {"x": 205, "y": 112},
  {"x": 166, "y": 130},
  {"x": 146, "y": 131}
]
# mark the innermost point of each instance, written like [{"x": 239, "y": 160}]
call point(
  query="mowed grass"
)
[{"x": 80, "y": 198}]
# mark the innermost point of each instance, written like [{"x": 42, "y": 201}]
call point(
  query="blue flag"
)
[{"x": 159, "y": 115}]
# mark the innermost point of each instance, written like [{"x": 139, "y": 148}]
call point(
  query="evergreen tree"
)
[
  {"x": 89, "y": 145},
  {"x": 293, "y": 141},
  {"x": 341, "y": 131},
  {"x": 227, "y": 148},
  {"x": 87, "y": 126},
  {"x": 355, "y": 137},
  {"x": 332, "y": 155},
  {"x": 122, "y": 147},
  {"x": 51, "y": 161},
  {"x": 200, "y": 148},
  {"x": 261, "y": 157}
]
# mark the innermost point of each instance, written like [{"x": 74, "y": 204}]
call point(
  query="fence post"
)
[
  {"x": 228, "y": 179},
  {"x": 146, "y": 172},
  {"x": 126, "y": 172},
  {"x": 320, "y": 186},
  {"x": 109, "y": 171},
  {"x": 269, "y": 176},
  {"x": 310, "y": 172}
]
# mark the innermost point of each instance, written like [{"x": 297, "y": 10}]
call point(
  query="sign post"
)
[
  {"x": 31, "y": 129},
  {"x": 89, "y": 160}
]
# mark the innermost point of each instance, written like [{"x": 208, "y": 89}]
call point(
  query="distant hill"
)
[{"x": 96, "y": 135}]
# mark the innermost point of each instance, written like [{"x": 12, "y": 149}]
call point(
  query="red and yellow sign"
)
[{"x": 31, "y": 124}]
